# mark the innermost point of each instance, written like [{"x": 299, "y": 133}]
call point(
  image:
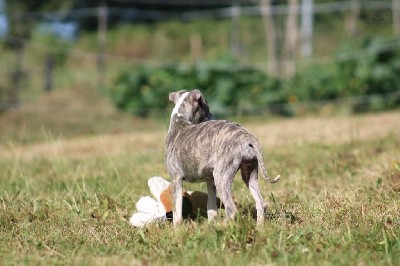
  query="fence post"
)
[
  {"x": 351, "y": 20},
  {"x": 291, "y": 38},
  {"x": 307, "y": 10},
  {"x": 101, "y": 40},
  {"x": 16, "y": 76},
  {"x": 48, "y": 73},
  {"x": 195, "y": 46},
  {"x": 270, "y": 36},
  {"x": 235, "y": 29},
  {"x": 396, "y": 17}
]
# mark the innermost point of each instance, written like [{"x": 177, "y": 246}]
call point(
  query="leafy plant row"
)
[{"x": 373, "y": 70}]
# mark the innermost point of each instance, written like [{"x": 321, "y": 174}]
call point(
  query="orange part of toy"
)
[{"x": 166, "y": 198}]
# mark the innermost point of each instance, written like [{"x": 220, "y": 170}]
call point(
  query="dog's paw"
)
[{"x": 211, "y": 215}]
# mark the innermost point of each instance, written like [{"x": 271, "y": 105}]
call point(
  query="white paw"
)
[{"x": 211, "y": 215}]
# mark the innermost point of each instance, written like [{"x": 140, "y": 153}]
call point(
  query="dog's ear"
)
[
  {"x": 195, "y": 95},
  {"x": 174, "y": 96},
  {"x": 198, "y": 96}
]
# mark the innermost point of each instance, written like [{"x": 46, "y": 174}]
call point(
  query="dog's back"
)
[{"x": 195, "y": 149}]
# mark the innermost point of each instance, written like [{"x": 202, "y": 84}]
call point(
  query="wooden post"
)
[
  {"x": 235, "y": 30},
  {"x": 351, "y": 20},
  {"x": 306, "y": 28},
  {"x": 16, "y": 77},
  {"x": 48, "y": 73},
  {"x": 101, "y": 40},
  {"x": 16, "y": 34},
  {"x": 396, "y": 17},
  {"x": 291, "y": 38},
  {"x": 270, "y": 36},
  {"x": 195, "y": 47}
]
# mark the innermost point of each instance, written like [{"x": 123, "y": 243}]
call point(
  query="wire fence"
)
[
  {"x": 136, "y": 13},
  {"x": 215, "y": 13},
  {"x": 392, "y": 45}
]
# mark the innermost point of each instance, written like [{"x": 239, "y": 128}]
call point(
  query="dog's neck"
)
[
  {"x": 176, "y": 116},
  {"x": 177, "y": 122},
  {"x": 178, "y": 104}
]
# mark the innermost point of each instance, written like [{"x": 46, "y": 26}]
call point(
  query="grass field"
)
[{"x": 67, "y": 200}]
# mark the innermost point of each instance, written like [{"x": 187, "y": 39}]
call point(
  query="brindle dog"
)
[{"x": 199, "y": 149}]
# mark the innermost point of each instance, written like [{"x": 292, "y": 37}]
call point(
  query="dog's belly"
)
[
  {"x": 192, "y": 179},
  {"x": 198, "y": 175}
]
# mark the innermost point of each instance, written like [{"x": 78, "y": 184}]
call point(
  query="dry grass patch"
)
[
  {"x": 77, "y": 111},
  {"x": 298, "y": 131},
  {"x": 327, "y": 130}
]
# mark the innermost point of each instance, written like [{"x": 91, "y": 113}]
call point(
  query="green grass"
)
[{"x": 68, "y": 201}]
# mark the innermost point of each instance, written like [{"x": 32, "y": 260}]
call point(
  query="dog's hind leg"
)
[
  {"x": 211, "y": 200},
  {"x": 178, "y": 195},
  {"x": 223, "y": 181},
  {"x": 249, "y": 173}
]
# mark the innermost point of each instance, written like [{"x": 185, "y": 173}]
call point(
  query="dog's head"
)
[{"x": 191, "y": 105}]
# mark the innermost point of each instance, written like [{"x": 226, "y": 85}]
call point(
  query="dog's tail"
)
[{"x": 257, "y": 148}]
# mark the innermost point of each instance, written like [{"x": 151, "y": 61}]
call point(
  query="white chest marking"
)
[{"x": 178, "y": 105}]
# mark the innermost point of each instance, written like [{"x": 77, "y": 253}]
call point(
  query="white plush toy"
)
[
  {"x": 151, "y": 210},
  {"x": 148, "y": 209}
]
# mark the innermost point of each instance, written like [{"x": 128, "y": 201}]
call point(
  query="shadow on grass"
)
[
  {"x": 247, "y": 211},
  {"x": 272, "y": 215}
]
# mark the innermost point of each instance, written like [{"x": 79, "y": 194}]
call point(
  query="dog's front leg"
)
[
  {"x": 211, "y": 200},
  {"x": 178, "y": 195}
]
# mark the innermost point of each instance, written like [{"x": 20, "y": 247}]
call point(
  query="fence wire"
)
[{"x": 222, "y": 12}]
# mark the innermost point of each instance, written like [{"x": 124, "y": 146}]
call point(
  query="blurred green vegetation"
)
[
  {"x": 144, "y": 90},
  {"x": 367, "y": 67}
]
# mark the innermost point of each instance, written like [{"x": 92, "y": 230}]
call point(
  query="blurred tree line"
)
[{"x": 21, "y": 25}]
